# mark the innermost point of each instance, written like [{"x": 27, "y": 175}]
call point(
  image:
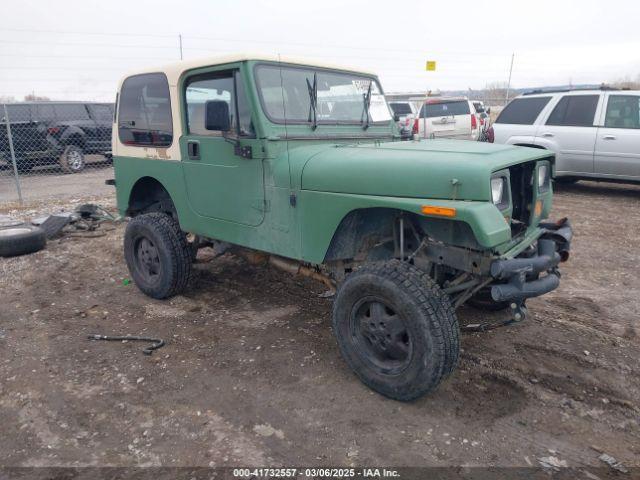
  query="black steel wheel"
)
[
  {"x": 157, "y": 254},
  {"x": 380, "y": 335},
  {"x": 396, "y": 329}
]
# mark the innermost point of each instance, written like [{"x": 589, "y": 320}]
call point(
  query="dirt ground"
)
[{"x": 251, "y": 374}]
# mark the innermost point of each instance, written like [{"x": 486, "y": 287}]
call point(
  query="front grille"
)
[{"x": 522, "y": 192}]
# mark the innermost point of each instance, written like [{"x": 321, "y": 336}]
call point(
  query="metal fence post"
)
[{"x": 13, "y": 153}]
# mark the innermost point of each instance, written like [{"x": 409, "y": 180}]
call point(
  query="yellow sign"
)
[{"x": 431, "y": 66}]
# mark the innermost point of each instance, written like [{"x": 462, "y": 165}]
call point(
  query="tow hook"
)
[{"x": 518, "y": 312}]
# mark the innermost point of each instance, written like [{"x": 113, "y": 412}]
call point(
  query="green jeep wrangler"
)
[{"x": 301, "y": 166}]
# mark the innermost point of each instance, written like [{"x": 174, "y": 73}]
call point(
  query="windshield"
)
[{"x": 285, "y": 96}]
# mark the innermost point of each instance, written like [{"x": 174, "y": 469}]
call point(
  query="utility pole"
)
[
  {"x": 180, "y": 40},
  {"x": 509, "y": 82}
]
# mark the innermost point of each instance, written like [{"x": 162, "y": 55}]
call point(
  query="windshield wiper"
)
[
  {"x": 313, "y": 101},
  {"x": 365, "y": 118}
]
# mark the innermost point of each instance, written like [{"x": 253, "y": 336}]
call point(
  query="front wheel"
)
[
  {"x": 157, "y": 254},
  {"x": 396, "y": 329}
]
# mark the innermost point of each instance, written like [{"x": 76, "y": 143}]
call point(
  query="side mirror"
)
[
  {"x": 396, "y": 117},
  {"x": 216, "y": 115}
]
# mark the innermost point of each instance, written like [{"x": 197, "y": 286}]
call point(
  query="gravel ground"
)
[
  {"x": 252, "y": 376},
  {"x": 50, "y": 183}
]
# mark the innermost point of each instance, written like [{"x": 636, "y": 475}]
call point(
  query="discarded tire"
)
[
  {"x": 7, "y": 222},
  {"x": 20, "y": 240}
]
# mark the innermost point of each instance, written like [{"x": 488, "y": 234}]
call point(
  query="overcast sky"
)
[{"x": 78, "y": 49}]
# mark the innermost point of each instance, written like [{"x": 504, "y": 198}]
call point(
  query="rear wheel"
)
[
  {"x": 157, "y": 254},
  {"x": 72, "y": 159},
  {"x": 396, "y": 329}
]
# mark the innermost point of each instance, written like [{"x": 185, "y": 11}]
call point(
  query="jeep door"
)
[
  {"x": 570, "y": 131},
  {"x": 223, "y": 170},
  {"x": 618, "y": 143}
]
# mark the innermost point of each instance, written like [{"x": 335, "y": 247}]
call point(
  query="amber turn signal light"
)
[
  {"x": 439, "y": 211},
  {"x": 538, "y": 208}
]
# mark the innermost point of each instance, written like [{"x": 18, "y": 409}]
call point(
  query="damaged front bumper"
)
[{"x": 535, "y": 271}]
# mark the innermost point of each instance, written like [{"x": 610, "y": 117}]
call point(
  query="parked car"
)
[
  {"x": 404, "y": 114},
  {"x": 46, "y": 133},
  {"x": 230, "y": 150},
  {"x": 482, "y": 113},
  {"x": 593, "y": 133},
  {"x": 447, "y": 118}
]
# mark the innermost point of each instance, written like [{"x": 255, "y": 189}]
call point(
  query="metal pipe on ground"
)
[{"x": 285, "y": 264}]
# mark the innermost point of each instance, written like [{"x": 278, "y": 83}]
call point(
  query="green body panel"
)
[
  {"x": 290, "y": 198},
  {"x": 438, "y": 169},
  {"x": 325, "y": 211}
]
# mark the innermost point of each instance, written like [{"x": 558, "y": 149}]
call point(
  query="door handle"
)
[
  {"x": 193, "y": 150},
  {"x": 547, "y": 135},
  {"x": 609, "y": 137}
]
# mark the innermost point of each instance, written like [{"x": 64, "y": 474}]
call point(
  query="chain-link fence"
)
[{"x": 46, "y": 139}]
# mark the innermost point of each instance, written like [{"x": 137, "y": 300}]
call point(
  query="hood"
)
[{"x": 438, "y": 169}]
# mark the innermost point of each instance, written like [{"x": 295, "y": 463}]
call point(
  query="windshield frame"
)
[{"x": 358, "y": 122}]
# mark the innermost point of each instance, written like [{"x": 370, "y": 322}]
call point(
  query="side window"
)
[
  {"x": 523, "y": 111},
  {"x": 45, "y": 113},
  {"x": 225, "y": 87},
  {"x": 144, "y": 112},
  {"x": 101, "y": 113},
  {"x": 623, "y": 111},
  {"x": 574, "y": 111},
  {"x": 71, "y": 111}
]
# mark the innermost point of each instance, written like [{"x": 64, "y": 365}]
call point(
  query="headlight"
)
[
  {"x": 497, "y": 190},
  {"x": 543, "y": 177}
]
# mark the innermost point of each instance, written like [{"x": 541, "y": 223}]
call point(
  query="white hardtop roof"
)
[{"x": 176, "y": 69}]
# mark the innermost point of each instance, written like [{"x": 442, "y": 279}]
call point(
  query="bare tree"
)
[
  {"x": 495, "y": 93},
  {"x": 627, "y": 82},
  {"x": 32, "y": 97}
]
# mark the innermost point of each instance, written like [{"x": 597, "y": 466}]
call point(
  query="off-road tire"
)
[
  {"x": 430, "y": 324},
  {"x": 72, "y": 159},
  {"x": 173, "y": 253},
  {"x": 21, "y": 239}
]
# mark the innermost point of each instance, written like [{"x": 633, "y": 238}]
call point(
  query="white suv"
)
[
  {"x": 593, "y": 133},
  {"x": 447, "y": 118}
]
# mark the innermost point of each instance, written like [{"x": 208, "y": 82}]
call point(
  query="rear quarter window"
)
[
  {"x": 144, "y": 111},
  {"x": 445, "y": 109},
  {"x": 18, "y": 113},
  {"x": 574, "y": 111},
  {"x": 523, "y": 111}
]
